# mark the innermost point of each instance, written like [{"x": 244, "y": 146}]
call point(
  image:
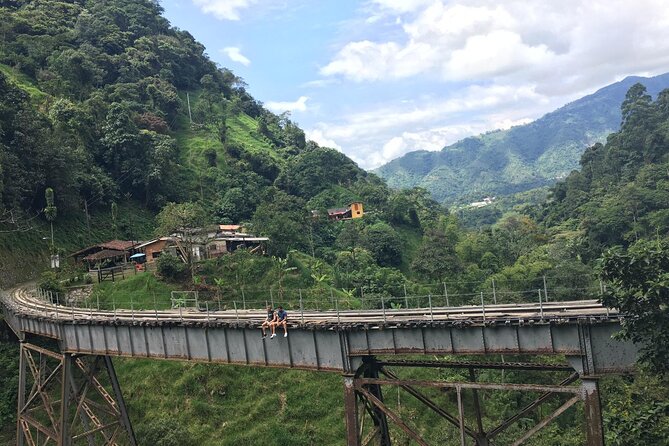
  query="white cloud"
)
[
  {"x": 235, "y": 55},
  {"x": 319, "y": 137},
  {"x": 400, "y": 6},
  {"x": 385, "y": 132},
  {"x": 224, "y": 9},
  {"x": 565, "y": 46},
  {"x": 279, "y": 107},
  {"x": 489, "y": 65}
]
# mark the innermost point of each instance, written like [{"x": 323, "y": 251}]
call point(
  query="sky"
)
[{"x": 379, "y": 78}]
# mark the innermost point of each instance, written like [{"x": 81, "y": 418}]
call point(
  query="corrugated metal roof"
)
[
  {"x": 150, "y": 242},
  {"x": 105, "y": 254},
  {"x": 334, "y": 211}
]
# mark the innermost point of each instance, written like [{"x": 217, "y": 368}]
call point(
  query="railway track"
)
[{"x": 24, "y": 300}]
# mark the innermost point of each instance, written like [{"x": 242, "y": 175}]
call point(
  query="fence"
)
[{"x": 300, "y": 301}]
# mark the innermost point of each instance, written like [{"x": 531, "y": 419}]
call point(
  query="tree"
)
[
  {"x": 383, "y": 242},
  {"x": 186, "y": 221},
  {"x": 50, "y": 212},
  {"x": 638, "y": 285},
  {"x": 282, "y": 218},
  {"x": 436, "y": 258}
]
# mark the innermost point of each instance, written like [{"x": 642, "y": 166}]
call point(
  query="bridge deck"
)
[{"x": 330, "y": 340}]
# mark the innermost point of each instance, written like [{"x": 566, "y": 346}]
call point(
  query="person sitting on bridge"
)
[
  {"x": 271, "y": 317},
  {"x": 280, "y": 321}
]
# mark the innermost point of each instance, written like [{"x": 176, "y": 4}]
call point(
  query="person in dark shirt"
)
[
  {"x": 268, "y": 321},
  {"x": 281, "y": 320}
]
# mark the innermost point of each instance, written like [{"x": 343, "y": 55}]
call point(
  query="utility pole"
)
[{"x": 188, "y": 101}]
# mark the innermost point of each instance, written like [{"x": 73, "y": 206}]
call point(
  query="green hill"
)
[{"x": 520, "y": 158}]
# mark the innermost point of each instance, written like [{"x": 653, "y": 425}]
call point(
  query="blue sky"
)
[{"x": 378, "y": 78}]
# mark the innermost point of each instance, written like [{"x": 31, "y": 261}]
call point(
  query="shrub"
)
[
  {"x": 210, "y": 156},
  {"x": 49, "y": 282},
  {"x": 170, "y": 267}
]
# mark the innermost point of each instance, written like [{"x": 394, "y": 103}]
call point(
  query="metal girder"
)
[
  {"x": 509, "y": 421},
  {"x": 379, "y": 404},
  {"x": 219, "y": 338},
  {"x": 546, "y": 420},
  {"x": 64, "y": 401},
  {"x": 475, "y": 365},
  {"x": 469, "y": 385},
  {"x": 431, "y": 404},
  {"x": 587, "y": 392},
  {"x": 594, "y": 429}
]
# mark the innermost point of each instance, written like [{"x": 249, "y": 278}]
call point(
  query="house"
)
[
  {"x": 203, "y": 243},
  {"x": 479, "y": 204},
  {"x": 353, "y": 210},
  {"x": 111, "y": 252},
  {"x": 229, "y": 238},
  {"x": 153, "y": 248}
]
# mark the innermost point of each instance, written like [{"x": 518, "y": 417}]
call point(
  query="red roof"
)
[
  {"x": 104, "y": 254},
  {"x": 114, "y": 245},
  {"x": 338, "y": 211},
  {"x": 118, "y": 245}
]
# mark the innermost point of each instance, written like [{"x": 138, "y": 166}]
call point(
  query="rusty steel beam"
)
[
  {"x": 120, "y": 401},
  {"x": 64, "y": 428},
  {"x": 20, "y": 424},
  {"x": 37, "y": 425},
  {"x": 594, "y": 429},
  {"x": 467, "y": 385},
  {"x": 58, "y": 399},
  {"x": 476, "y": 365},
  {"x": 431, "y": 404},
  {"x": 42, "y": 351},
  {"x": 547, "y": 420},
  {"x": 97, "y": 429},
  {"x": 351, "y": 412},
  {"x": 509, "y": 421},
  {"x": 477, "y": 407},
  {"x": 372, "y": 434},
  {"x": 461, "y": 414},
  {"x": 370, "y": 369},
  {"x": 393, "y": 416}
]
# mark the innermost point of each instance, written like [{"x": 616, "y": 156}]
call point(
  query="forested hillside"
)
[
  {"x": 94, "y": 103},
  {"x": 518, "y": 159}
]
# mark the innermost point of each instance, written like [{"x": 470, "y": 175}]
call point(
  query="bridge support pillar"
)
[
  {"x": 64, "y": 400},
  {"x": 594, "y": 429},
  {"x": 371, "y": 370},
  {"x": 351, "y": 413}
]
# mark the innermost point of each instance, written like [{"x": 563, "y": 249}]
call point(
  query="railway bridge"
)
[{"x": 70, "y": 394}]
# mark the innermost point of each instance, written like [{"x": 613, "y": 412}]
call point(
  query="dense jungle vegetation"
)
[{"x": 94, "y": 105}]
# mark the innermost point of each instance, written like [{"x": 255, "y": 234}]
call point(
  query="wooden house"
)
[
  {"x": 113, "y": 252},
  {"x": 353, "y": 210}
]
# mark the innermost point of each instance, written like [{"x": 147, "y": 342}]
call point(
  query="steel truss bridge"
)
[{"x": 70, "y": 395}]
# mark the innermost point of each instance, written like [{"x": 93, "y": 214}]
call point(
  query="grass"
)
[
  {"x": 243, "y": 130},
  {"x": 141, "y": 291},
  {"x": 234, "y": 405},
  {"x": 24, "y": 82},
  {"x": 23, "y": 255}
]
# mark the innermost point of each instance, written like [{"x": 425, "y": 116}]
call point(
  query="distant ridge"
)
[{"x": 520, "y": 158}]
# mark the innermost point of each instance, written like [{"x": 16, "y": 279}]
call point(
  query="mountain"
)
[{"x": 520, "y": 158}]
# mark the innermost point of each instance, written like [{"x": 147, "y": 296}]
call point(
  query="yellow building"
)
[
  {"x": 353, "y": 210},
  {"x": 356, "y": 209}
]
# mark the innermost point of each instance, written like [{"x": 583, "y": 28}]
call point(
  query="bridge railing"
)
[{"x": 301, "y": 301}]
